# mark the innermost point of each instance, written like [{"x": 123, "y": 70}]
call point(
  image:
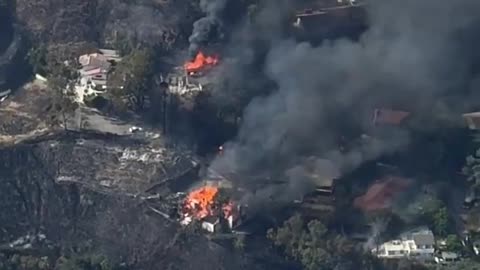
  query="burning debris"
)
[
  {"x": 181, "y": 85},
  {"x": 208, "y": 205},
  {"x": 200, "y": 64}
]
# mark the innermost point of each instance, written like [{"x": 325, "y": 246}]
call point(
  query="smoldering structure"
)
[{"x": 415, "y": 57}]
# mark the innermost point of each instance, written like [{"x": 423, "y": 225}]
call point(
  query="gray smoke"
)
[
  {"x": 308, "y": 173},
  {"x": 377, "y": 228},
  {"x": 414, "y": 53},
  {"x": 142, "y": 23},
  {"x": 207, "y": 27}
]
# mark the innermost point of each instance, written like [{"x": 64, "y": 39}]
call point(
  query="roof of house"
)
[
  {"x": 111, "y": 55},
  {"x": 99, "y": 82},
  {"x": 424, "y": 239},
  {"x": 472, "y": 119},
  {"x": 381, "y": 194},
  {"x": 109, "y": 52},
  {"x": 449, "y": 255},
  {"x": 472, "y": 114},
  {"x": 421, "y": 236},
  {"x": 92, "y": 72},
  {"x": 389, "y": 117},
  {"x": 94, "y": 60}
]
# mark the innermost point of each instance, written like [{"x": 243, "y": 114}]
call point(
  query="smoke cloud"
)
[
  {"x": 143, "y": 23},
  {"x": 414, "y": 54},
  {"x": 207, "y": 27}
]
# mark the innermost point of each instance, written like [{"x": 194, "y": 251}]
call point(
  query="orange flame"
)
[
  {"x": 199, "y": 203},
  {"x": 200, "y": 62}
]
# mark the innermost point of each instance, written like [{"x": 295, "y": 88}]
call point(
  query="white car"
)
[{"x": 135, "y": 129}]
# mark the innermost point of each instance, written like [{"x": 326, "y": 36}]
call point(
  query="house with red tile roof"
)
[
  {"x": 389, "y": 117},
  {"x": 381, "y": 194}
]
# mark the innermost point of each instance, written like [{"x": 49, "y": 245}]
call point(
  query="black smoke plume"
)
[
  {"x": 416, "y": 55},
  {"x": 208, "y": 27}
]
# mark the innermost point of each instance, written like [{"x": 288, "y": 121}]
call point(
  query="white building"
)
[
  {"x": 416, "y": 243},
  {"x": 211, "y": 224},
  {"x": 94, "y": 73}
]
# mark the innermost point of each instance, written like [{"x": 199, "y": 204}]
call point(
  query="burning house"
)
[
  {"x": 208, "y": 206},
  {"x": 200, "y": 64}
]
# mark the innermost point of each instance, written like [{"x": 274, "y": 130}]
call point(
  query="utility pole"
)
[{"x": 164, "y": 87}]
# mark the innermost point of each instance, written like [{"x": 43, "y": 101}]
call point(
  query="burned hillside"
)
[
  {"x": 105, "y": 22},
  {"x": 100, "y": 163}
]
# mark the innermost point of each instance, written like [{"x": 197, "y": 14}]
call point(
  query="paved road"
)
[{"x": 87, "y": 118}]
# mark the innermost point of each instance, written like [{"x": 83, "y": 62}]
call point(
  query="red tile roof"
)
[
  {"x": 387, "y": 116},
  {"x": 381, "y": 194}
]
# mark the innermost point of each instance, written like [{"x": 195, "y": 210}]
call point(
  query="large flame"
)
[
  {"x": 200, "y": 62},
  {"x": 200, "y": 202}
]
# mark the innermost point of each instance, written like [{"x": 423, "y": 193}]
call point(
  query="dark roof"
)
[{"x": 424, "y": 238}]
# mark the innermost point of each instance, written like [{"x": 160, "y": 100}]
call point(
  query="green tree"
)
[
  {"x": 37, "y": 58},
  {"x": 123, "y": 45},
  {"x": 472, "y": 168},
  {"x": 239, "y": 242},
  {"x": 133, "y": 77},
  {"x": 311, "y": 245},
  {"x": 61, "y": 80},
  {"x": 315, "y": 248},
  {"x": 453, "y": 243},
  {"x": 288, "y": 236},
  {"x": 440, "y": 221},
  {"x": 84, "y": 262},
  {"x": 465, "y": 264},
  {"x": 435, "y": 213}
]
